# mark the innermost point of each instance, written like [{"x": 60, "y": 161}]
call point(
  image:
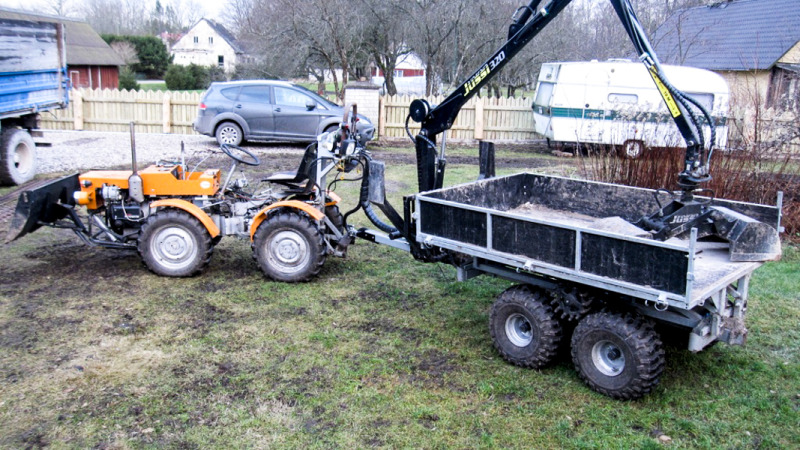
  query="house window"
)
[
  {"x": 398, "y": 73},
  {"x": 623, "y": 98},
  {"x": 221, "y": 61},
  {"x": 784, "y": 89},
  {"x": 196, "y": 40},
  {"x": 210, "y": 40}
]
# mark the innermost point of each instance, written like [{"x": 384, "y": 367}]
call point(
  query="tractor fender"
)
[
  {"x": 293, "y": 204},
  {"x": 192, "y": 209}
]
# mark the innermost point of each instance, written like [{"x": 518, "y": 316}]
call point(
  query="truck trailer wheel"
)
[
  {"x": 618, "y": 355},
  {"x": 17, "y": 157},
  {"x": 289, "y": 247},
  {"x": 173, "y": 243},
  {"x": 524, "y": 327}
]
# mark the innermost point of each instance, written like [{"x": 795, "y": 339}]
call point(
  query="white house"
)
[
  {"x": 208, "y": 43},
  {"x": 409, "y": 75}
]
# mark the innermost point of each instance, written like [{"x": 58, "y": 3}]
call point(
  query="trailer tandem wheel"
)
[
  {"x": 524, "y": 327},
  {"x": 174, "y": 243},
  {"x": 618, "y": 354},
  {"x": 289, "y": 247}
]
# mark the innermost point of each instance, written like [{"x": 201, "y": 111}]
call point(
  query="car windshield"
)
[{"x": 317, "y": 97}]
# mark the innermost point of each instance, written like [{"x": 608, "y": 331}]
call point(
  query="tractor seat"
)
[
  {"x": 304, "y": 171},
  {"x": 287, "y": 177}
]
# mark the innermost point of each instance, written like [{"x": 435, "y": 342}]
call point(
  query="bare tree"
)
[
  {"x": 385, "y": 36},
  {"x": 126, "y": 51},
  {"x": 434, "y": 23}
]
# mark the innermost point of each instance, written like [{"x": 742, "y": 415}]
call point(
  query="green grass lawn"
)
[{"x": 378, "y": 351}]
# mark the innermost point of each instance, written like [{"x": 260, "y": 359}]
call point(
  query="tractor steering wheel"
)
[{"x": 251, "y": 160}]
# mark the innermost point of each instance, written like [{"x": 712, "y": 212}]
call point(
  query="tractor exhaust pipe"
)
[{"x": 135, "y": 184}]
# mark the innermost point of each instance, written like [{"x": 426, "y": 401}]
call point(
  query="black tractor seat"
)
[{"x": 304, "y": 173}]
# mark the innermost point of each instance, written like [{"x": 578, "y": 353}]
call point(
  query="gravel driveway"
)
[{"x": 82, "y": 150}]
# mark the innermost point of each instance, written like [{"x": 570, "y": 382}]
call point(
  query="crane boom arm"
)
[{"x": 528, "y": 21}]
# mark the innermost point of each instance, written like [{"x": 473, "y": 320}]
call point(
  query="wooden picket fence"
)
[
  {"x": 113, "y": 110},
  {"x": 496, "y": 119}
]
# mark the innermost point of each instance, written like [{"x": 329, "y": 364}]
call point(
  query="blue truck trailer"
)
[{"x": 33, "y": 79}]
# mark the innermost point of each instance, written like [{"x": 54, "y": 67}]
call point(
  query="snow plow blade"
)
[{"x": 41, "y": 206}]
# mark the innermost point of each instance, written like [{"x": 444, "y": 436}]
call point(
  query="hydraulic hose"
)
[{"x": 363, "y": 202}]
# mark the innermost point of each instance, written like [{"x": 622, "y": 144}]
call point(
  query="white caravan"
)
[{"x": 616, "y": 103}]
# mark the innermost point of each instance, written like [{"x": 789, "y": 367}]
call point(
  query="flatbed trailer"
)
[{"x": 571, "y": 246}]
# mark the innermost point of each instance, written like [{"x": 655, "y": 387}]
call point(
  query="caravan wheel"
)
[{"x": 631, "y": 149}]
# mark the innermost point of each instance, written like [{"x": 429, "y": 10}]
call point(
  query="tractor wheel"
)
[
  {"x": 17, "y": 157},
  {"x": 618, "y": 355},
  {"x": 289, "y": 247},
  {"x": 336, "y": 218},
  {"x": 173, "y": 243},
  {"x": 524, "y": 327}
]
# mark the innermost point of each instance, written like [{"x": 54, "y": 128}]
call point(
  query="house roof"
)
[
  {"x": 225, "y": 34},
  {"x": 221, "y": 31},
  {"x": 730, "y": 35},
  {"x": 84, "y": 46}
]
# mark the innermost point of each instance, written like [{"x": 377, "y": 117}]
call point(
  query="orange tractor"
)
[{"x": 174, "y": 217}]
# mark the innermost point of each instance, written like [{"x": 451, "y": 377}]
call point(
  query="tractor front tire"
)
[
  {"x": 173, "y": 243},
  {"x": 618, "y": 355},
  {"x": 289, "y": 247},
  {"x": 17, "y": 157},
  {"x": 524, "y": 327}
]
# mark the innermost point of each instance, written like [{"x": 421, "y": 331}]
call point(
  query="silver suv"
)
[{"x": 266, "y": 110}]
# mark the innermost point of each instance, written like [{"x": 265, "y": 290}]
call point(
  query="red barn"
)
[{"x": 91, "y": 63}]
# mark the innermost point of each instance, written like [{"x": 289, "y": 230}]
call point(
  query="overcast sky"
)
[{"x": 212, "y": 8}]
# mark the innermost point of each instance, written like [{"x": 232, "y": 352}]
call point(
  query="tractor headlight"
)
[{"x": 326, "y": 141}]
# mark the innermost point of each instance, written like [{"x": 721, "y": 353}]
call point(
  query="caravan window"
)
[
  {"x": 543, "y": 94},
  {"x": 623, "y": 98},
  {"x": 707, "y": 100}
]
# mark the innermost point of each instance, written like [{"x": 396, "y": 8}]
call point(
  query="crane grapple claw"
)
[{"x": 749, "y": 239}]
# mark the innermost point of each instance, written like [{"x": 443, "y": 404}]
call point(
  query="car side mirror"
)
[{"x": 311, "y": 104}]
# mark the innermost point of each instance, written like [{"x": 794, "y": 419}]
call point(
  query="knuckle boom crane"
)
[{"x": 748, "y": 239}]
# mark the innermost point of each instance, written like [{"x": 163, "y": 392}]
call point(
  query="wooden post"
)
[
  {"x": 77, "y": 109},
  {"x": 166, "y": 114},
  {"x": 381, "y": 117},
  {"x": 478, "y": 118}
]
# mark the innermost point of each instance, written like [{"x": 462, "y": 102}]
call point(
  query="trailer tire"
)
[
  {"x": 524, "y": 327},
  {"x": 289, "y": 247},
  {"x": 17, "y": 157},
  {"x": 618, "y": 355},
  {"x": 173, "y": 243}
]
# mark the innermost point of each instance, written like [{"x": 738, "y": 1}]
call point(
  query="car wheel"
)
[{"x": 229, "y": 133}]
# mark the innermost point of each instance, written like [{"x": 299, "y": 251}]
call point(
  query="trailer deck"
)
[{"x": 581, "y": 231}]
